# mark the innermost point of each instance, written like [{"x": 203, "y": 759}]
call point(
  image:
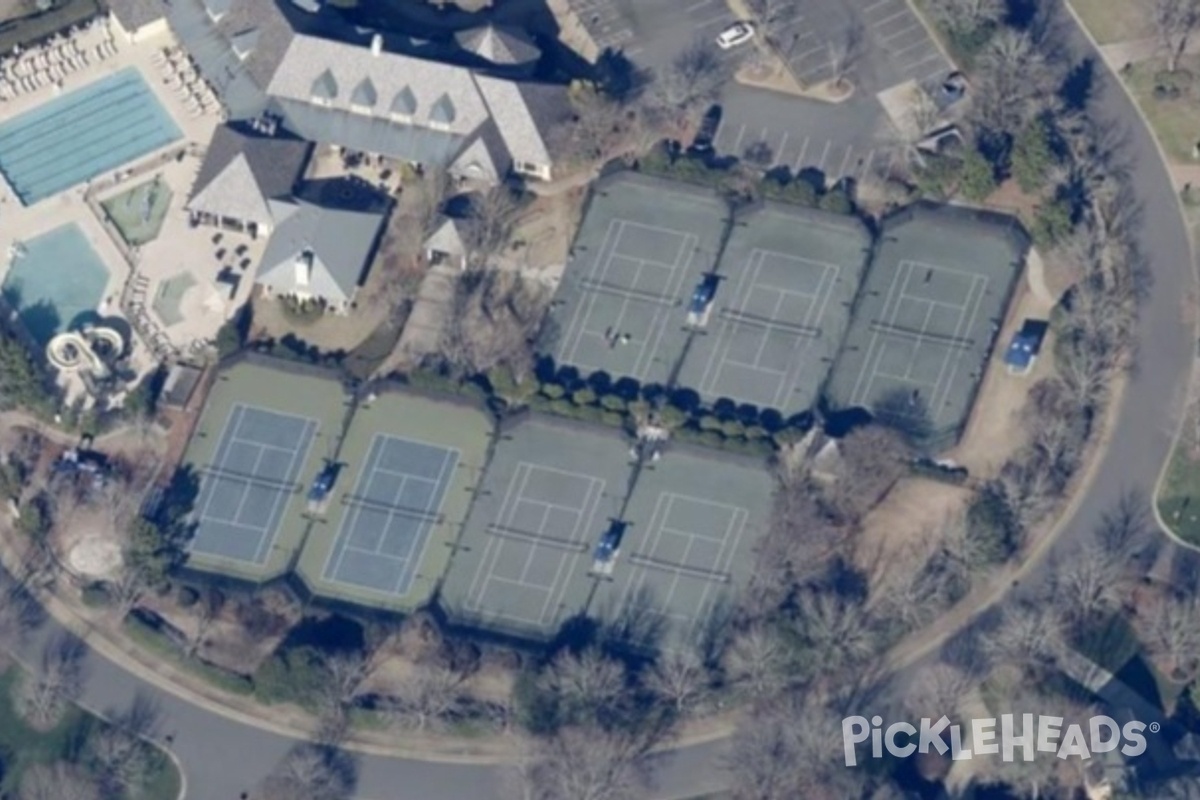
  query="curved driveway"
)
[{"x": 223, "y": 758}]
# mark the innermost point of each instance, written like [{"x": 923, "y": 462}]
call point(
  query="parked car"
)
[
  {"x": 735, "y": 34},
  {"x": 702, "y": 144}
]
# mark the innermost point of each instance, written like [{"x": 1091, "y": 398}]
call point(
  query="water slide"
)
[{"x": 73, "y": 351}]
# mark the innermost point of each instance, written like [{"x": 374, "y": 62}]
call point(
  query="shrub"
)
[
  {"x": 836, "y": 201},
  {"x": 991, "y": 527},
  {"x": 1032, "y": 156},
  {"x": 612, "y": 402},
  {"x": 188, "y": 596},
  {"x": 978, "y": 178},
  {"x": 1052, "y": 223},
  {"x": 583, "y": 397},
  {"x": 552, "y": 390},
  {"x": 292, "y": 675},
  {"x": 95, "y": 595}
]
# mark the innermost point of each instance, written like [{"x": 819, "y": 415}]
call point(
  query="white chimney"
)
[{"x": 377, "y": 45}]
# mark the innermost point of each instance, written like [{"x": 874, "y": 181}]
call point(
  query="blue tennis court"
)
[
  {"x": 245, "y": 491},
  {"x": 82, "y": 134},
  {"x": 394, "y": 505}
]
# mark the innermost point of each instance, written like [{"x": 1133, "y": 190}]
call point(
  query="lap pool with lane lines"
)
[{"x": 85, "y": 133}]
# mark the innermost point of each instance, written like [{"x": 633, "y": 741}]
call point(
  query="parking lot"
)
[{"x": 849, "y": 139}]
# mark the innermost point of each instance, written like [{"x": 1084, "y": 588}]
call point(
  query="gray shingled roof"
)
[
  {"x": 308, "y": 56},
  {"x": 134, "y": 14},
  {"x": 333, "y": 245},
  {"x": 325, "y": 87},
  {"x": 447, "y": 238},
  {"x": 499, "y": 45},
  {"x": 242, "y": 171},
  {"x": 524, "y": 113}
]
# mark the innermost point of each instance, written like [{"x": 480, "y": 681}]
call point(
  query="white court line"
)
[
  {"x": 374, "y": 454},
  {"x": 292, "y": 473},
  {"x": 877, "y": 4},
  {"x": 584, "y": 515},
  {"x": 579, "y": 320},
  {"x": 709, "y": 586},
  {"x": 945, "y": 390},
  {"x": 450, "y": 457},
  {"x": 855, "y": 396},
  {"x": 660, "y": 323},
  {"x": 503, "y": 513}
]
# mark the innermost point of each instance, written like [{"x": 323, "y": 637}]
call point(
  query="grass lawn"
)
[
  {"x": 1179, "y": 495},
  {"x": 138, "y": 212},
  {"x": 1176, "y": 122},
  {"x": 22, "y": 747},
  {"x": 1116, "y": 20}
]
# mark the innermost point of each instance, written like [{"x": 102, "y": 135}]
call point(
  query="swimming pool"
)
[
  {"x": 83, "y": 134},
  {"x": 59, "y": 277}
]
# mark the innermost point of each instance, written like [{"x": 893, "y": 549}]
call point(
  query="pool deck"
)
[{"x": 178, "y": 247}]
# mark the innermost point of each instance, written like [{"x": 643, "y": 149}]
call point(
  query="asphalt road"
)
[{"x": 224, "y": 758}]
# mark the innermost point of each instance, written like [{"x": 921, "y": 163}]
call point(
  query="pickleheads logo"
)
[{"x": 988, "y": 737}]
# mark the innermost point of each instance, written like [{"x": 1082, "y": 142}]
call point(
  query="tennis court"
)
[
  {"x": 644, "y": 246},
  {"x": 932, "y": 304},
  {"x": 694, "y": 521},
  {"x": 390, "y": 513},
  {"x": 260, "y": 440},
  {"x": 409, "y": 469},
  {"x": 549, "y": 494},
  {"x": 788, "y": 278}
]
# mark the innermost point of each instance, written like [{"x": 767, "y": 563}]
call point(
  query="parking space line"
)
[
  {"x": 922, "y": 42},
  {"x": 722, "y": 17},
  {"x": 841, "y": 173},
  {"x": 738, "y": 142},
  {"x": 778, "y": 153},
  {"x": 864, "y": 167},
  {"x": 825, "y": 152},
  {"x": 906, "y": 30},
  {"x": 698, "y": 6},
  {"x": 890, "y": 17},
  {"x": 807, "y": 53},
  {"x": 800, "y": 158},
  {"x": 875, "y": 5}
]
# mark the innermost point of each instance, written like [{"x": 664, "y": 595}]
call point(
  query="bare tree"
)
[
  {"x": 1174, "y": 23},
  {"x": 496, "y": 317},
  {"x": 907, "y": 133},
  {"x": 967, "y": 16},
  {"x": 938, "y": 690},
  {"x": 1172, "y": 635},
  {"x": 791, "y": 746},
  {"x": 428, "y": 696},
  {"x": 756, "y": 660},
  {"x": 873, "y": 458},
  {"x": 43, "y": 697},
  {"x": 1028, "y": 635},
  {"x": 772, "y": 18},
  {"x": 120, "y": 750},
  {"x": 836, "y": 631},
  {"x": 1089, "y": 580},
  {"x": 585, "y": 684},
  {"x": 688, "y": 85},
  {"x": 600, "y": 128},
  {"x": 490, "y": 225},
  {"x": 679, "y": 677},
  {"x": 311, "y": 772},
  {"x": 1014, "y": 82},
  {"x": 585, "y": 763},
  {"x": 19, "y": 613},
  {"x": 208, "y": 611},
  {"x": 128, "y": 589},
  {"x": 57, "y": 781},
  {"x": 844, "y": 54}
]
